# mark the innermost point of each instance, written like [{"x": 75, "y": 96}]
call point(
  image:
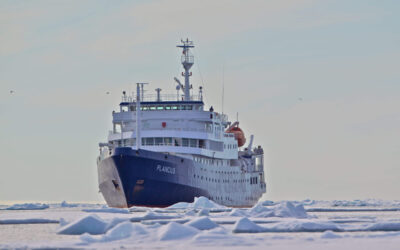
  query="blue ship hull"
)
[{"x": 145, "y": 178}]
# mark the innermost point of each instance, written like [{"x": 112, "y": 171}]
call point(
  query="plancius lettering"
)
[{"x": 166, "y": 169}]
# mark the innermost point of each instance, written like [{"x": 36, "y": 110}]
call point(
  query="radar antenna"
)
[{"x": 187, "y": 60}]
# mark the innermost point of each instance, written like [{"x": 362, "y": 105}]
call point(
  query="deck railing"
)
[{"x": 163, "y": 98}]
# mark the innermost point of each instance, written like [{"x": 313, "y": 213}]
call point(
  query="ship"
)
[{"x": 165, "y": 149}]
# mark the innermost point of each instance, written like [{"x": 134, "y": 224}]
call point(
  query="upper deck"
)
[
  {"x": 174, "y": 120},
  {"x": 162, "y": 98},
  {"x": 173, "y": 123}
]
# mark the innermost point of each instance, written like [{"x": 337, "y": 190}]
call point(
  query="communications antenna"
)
[{"x": 187, "y": 60}]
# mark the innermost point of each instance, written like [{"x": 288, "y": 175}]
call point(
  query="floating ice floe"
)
[
  {"x": 91, "y": 224},
  {"x": 330, "y": 235},
  {"x": 199, "y": 203},
  {"x": 203, "y": 212},
  {"x": 121, "y": 231},
  {"x": 175, "y": 231},
  {"x": 288, "y": 209},
  {"x": 365, "y": 203},
  {"x": 308, "y": 202},
  {"x": 285, "y": 209},
  {"x": 382, "y": 226},
  {"x": 244, "y": 225},
  {"x": 383, "y": 235},
  {"x": 28, "y": 206},
  {"x": 356, "y": 209},
  {"x": 138, "y": 209},
  {"x": 66, "y": 204},
  {"x": 28, "y": 221},
  {"x": 202, "y": 223},
  {"x": 63, "y": 222},
  {"x": 124, "y": 230},
  {"x": 237, "y": 212},
  {"x": 303, "y": 226},
  {"x": 190, "y": 212},
  {"x": 268, "y": 203},
  {"x": 115, "y": 221},
  {"x": 107, "y": 210},
  {"x": 154, "y": 216}
]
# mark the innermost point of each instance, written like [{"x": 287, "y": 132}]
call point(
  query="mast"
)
[
  {"x": 138, "y": 138},
  {"x": 187, "y": 60}
]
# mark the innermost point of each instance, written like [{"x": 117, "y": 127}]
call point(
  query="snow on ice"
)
[
  {"x": 91, "y": 224},
  {"x": 121, "y": 231},
  {"x": 199, "y": 203},
  {"x": 330, "y": 235},
  {"x": 107, "y": 210},
  {"x": 27, "y": 221},
  {"x": 203, "y": 223},
  {"x": 244, "y": 225},
  {"x": 28, "y": 206},
  {"x": 174, "y": 231},
  {"x": 285, "y": 209}
]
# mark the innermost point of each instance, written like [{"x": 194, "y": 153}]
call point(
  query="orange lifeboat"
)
[{"x": 239, "y": 134}]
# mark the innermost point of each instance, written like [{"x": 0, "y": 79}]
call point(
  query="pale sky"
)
[{"x": 316, "y": 82}]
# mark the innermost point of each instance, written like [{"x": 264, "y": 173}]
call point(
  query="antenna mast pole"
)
[
  {"x": 223, "y": 87},
  {"x": 138, "y": 138},
  {"x": 187, "y": 60}
]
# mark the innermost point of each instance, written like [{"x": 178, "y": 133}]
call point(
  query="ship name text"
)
[{"x": 166, "y": 169}]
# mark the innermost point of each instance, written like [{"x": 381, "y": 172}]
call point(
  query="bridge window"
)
[
  {"x": 185, "y": 142},
  {"x": 148, "y": 141},
  {"x": 160, "y": 108},
  {"x": 168, "y": 141},
  {"x": 193, "y": 143},
  {"x": 159, "y": 141},
  {"x": 202, "y": 144}
]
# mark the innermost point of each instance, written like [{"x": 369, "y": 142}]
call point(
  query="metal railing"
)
[{"x": 163, "y": 98}]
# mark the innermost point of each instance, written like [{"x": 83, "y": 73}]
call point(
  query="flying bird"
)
[
  {"x": 11, "y": 91},
  {"x": 107, "y": 93}
]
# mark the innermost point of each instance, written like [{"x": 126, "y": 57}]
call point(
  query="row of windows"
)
[
  {"x": 162, "y": 107},
  {"x": 252, "y": 180},
  {"x": 230, "y": 146},
  {"x": 220, "y": 172},
  {"x": 251, "y": 198},
  {"x": 171, "y": 141},
  {"x": 208, "y": 161},
  {"x": 220, "y": 198},
  {"x": 163, "y": 141}
]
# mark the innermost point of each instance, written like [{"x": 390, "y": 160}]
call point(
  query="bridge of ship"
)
[{"x": 174, "y": 126}]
